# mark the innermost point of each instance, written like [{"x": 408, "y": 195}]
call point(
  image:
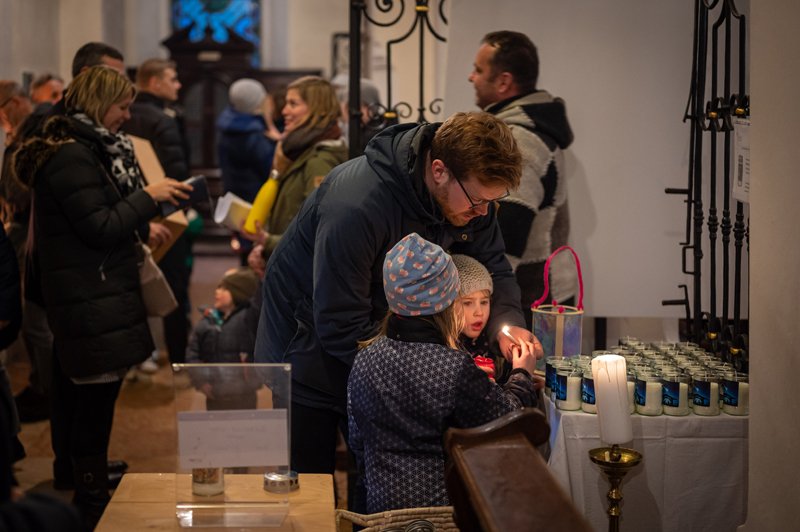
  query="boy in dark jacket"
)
[{"x": 226, "y": 335}]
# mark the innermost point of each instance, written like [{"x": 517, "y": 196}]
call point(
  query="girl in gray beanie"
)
[
  {"x": 475, "y": 297},
  {"x": 411, "y": 383}
]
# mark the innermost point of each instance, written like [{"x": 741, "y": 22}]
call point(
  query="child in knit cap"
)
[
  {"x": 226, "y": 334},
  {"x": 411, "y": 383},
  {"x": 475, "y": 297}
]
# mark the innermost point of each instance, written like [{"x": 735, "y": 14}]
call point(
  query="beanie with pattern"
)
[{"x": 419, "y": 277}]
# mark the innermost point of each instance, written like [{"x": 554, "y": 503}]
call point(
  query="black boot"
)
[{"x": 91, "y": 488}]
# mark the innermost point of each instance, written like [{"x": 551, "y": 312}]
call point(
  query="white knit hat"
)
[
  {"x": 246, "y": 96},
  {"x": 474, "y": 275}
]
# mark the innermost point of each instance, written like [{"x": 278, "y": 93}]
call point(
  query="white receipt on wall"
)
[
  {"x": 741, "y": 159},
  {"x": 233, "y": 438}
]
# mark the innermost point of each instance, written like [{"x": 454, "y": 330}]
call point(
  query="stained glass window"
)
[{"x": 242, "y": 17}]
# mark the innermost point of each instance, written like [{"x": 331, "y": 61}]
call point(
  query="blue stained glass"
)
[{"x": 242, "y": 17}]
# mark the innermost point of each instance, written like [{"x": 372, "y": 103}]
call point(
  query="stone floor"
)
[{"x": 144, "y": 432}]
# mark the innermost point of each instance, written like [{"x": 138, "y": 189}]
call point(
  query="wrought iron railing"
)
[
  {"x": 710, "y": 111},
  {"x": 391, "y": 111}
]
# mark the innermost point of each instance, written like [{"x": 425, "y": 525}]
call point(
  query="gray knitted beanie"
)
[
  {"x": 246, "y": 96},
  {"x": 474, "y": 275}
]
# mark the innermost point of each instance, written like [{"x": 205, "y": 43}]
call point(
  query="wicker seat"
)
[{"x": 436, "y": 518}]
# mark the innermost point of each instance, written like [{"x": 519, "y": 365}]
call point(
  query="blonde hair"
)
[
  {"x": 320, "y": 97},
  {"x": 448, "y": 322},
  {"x": 95, "y": 90}
]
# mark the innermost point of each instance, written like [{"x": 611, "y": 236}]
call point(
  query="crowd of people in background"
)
[{"x": 350, "y": 277}]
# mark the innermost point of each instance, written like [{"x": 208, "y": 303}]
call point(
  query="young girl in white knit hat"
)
[
  {"x": 411, "y": 382},
  {"x": 475, "y": 297}
]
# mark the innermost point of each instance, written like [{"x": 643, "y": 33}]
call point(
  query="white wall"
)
[
  {"x": 623, "y": 69},
  {"x": 774, "y": 496},
  {"x": 311, "y": 25},
  {"x": 34, "y": 49}
]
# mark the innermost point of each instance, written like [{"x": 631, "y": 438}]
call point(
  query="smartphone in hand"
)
[{"x": 199, "y": 194}]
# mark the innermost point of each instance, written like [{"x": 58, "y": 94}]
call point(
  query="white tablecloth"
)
[{"x": 693, "y": 476}]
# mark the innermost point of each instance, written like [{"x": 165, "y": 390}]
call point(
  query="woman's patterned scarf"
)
[{"x": 119, "y": 148}]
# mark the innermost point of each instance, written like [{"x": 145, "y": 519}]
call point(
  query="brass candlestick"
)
[{"x": 615, "y": 462}]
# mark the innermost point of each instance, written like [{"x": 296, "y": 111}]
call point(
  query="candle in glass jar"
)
[
  {"x": 648, "y": 395},
  {"x": 736, "y": 395},
  {"x": 676, "y": 396},
  {"x": 631, "y": 385},
  {"x": 705, "y": 397},
  {"x": 568, "y": 396},
  {"x": 588, "y": 401},
  {"x": 611, "y": 392}
]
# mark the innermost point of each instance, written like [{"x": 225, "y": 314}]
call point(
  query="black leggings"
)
[{"x": 81, "y": 419}]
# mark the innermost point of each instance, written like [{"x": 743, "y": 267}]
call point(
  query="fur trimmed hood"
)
[{"x": 33, "y": 154}]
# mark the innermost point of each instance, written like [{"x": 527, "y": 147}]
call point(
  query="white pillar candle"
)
[
  {"x": 611, "y": 390},
  {"x": 741, "y": 398}
]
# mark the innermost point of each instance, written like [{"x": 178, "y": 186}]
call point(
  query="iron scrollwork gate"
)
[
  {"x": 389, "y": 113},
  {"x": 713, "y": 111}
]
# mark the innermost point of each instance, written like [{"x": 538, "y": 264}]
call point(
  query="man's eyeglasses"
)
[
  {"x": 479, "y": 203},
  {"x": 5, "y": 102}
]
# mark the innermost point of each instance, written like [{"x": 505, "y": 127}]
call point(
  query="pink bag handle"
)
[{"x": 547, "y": 277}]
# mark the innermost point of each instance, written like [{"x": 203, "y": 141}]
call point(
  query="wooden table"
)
[{"x": 146, "y": 501}]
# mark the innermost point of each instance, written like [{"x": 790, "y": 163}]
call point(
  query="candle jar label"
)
[
  {"x": 587, "y": 391},
  {"x": 671, "y": 393},
  {"x": 561, "y": 387},
  {"x": 550, "y": 377},
  {"x": 730, "y": 392},
  {"x": 640, "y": 393},
  {"x": 701, "y": 393}
]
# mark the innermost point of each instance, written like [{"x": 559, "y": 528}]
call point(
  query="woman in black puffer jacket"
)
[{"x": 90, "y": 204}]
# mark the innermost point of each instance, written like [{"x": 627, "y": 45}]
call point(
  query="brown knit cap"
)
[{"x": 242, "y": 284}]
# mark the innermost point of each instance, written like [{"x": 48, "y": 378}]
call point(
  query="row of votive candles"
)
[{"x": 663, "y": 378}]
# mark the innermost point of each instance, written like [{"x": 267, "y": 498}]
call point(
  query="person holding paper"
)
[
  {"x": 311, "y": 147},
  {"x": 246, "y": 145},
  {"x": 154, "y": 118},
  {"x": 88, "y": 205},
  {"x": 411, "y": 382}
]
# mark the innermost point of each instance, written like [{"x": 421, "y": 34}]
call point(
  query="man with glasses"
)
[
  {"x": 323, "y": 290},
  {"x": 534, "y": 219}
]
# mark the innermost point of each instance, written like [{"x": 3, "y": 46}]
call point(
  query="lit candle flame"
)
[{"x": 505, "y": 330}]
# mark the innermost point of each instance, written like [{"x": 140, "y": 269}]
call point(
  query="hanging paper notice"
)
[
  {"x": 233, "y": 438},
  {"x": 741, "y": 159}
]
